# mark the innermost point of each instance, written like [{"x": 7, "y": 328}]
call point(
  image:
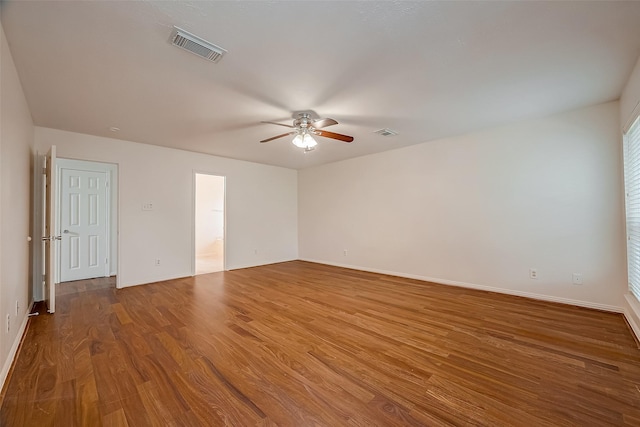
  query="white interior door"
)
[
  {"x": 50, "y": 238},
  {"x": 83, "y": 221}
]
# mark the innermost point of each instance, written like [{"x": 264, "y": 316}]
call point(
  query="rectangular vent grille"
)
[
  {"x": 195, "y": 44},
  {"x": 386, "y": 132}
]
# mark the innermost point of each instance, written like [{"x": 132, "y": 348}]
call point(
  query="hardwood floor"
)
[
  {"x": 77, "y": 286},
  {"x": 209, "y": 263},
  {"x": 299, "y": 344}
]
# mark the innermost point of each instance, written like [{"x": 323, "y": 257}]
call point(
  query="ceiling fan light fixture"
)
[
  {"x": 304, "y": 140},
  {"x": 308, "y": 141},
  {"x": 298, "y": 141}
]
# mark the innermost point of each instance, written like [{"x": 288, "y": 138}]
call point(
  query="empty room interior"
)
[{"x": 378, "y": 213}]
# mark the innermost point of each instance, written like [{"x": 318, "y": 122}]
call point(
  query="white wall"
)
[
  {"x": 481, "y": 209},
  {"x": 16, "y": 140},
  {"x": 629, "y": 111},
  {"x": 261, "y": 205}
]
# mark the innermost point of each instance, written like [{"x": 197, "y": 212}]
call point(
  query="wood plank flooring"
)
[{"x": 302, "y": 344}]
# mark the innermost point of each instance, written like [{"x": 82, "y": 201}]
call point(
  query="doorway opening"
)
[
  {"x": 75, "y": 210},
  {"x": 209, "y": 223}
]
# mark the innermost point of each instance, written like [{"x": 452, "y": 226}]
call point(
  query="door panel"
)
[
  {"x": 84, "y": 224},
  {"x": 94, "y": 250},
  {"x": 74, "y": 252},
  {"x": 74, "y": 209},
  {"x": 50, "y": 238}
]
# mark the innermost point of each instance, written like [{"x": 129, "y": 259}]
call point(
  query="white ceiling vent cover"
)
[
  {"x": 386, "y": 132},
  {"x": 195, "y": 44}
]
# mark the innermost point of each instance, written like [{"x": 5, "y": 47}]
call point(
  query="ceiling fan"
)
[{"x": 303, "y": 129}]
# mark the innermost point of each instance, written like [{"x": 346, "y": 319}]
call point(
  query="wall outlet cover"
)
[{"x": 576, "y": 278}]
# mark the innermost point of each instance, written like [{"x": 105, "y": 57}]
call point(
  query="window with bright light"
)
[{"x": 632, "y": 191}]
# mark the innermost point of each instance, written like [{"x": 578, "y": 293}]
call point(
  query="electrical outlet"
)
[
  {"x": 157, "y": 261},
  {"x": 147, "y": 206},
  {"x": 8, "y": 323},
  {"x": 576, "y": 279},
  {"x": 344, "y": 253},
  {"x": 533, "y": 273}
]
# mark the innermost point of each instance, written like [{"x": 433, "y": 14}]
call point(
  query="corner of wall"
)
[
  {"x": 630, "y": 98},
  {"x": 632, "y": 314}
]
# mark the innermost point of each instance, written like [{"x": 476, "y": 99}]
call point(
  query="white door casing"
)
[{"x": 83, "y": 224}]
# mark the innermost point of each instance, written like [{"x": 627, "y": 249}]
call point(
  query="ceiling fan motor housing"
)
[{"x": 303, "y": 120}]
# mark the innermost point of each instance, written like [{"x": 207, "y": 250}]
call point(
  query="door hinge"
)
[
  {"x": 106, "y": 260},
  {"x": 44, "y": 171}
]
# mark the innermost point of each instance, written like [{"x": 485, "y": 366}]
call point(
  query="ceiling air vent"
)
[
  {"x": 195, "y": 44},
  {"x": 386, "y": 132}
]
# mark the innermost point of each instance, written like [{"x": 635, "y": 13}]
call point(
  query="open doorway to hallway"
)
[{"x": 209, "y": 223}]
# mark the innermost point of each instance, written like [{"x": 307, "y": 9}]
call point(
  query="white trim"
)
[
  {"x": 14, "y": 349},
  {"x": 542, "y": 297},
  {"x": 116, "y": 187},
  {"x": 632, "y": 314},
  {"x": 193, "y": 222}
]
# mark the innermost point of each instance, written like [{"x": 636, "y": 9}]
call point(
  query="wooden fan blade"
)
[
  {"x": 338, "y": 136},
  {"x": 276, "y": 137},
  {"x": 323, "y": 123},
  {"x": 279, "y": 124}
]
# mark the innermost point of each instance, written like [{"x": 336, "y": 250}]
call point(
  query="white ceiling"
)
[{"x": 425, "y": 69}]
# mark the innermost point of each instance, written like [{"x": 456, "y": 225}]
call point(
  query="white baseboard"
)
[
  {"x": 13, "y": 351},
  {"x": 550, "y": 298}
]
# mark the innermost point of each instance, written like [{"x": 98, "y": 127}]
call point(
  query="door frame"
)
[
  {"x": 193, "y": 218},
  {"x": 39, "y": 210},
  {"x": 83, "y": 166}
]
